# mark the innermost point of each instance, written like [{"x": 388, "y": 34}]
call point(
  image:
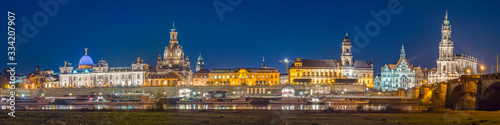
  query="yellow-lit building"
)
[
  {"x": 330, "y": 71},
  {"x": 169, "y": 79},
  {"x": 200, "y": 78},
  {"x": 41, "y": 78},
  {"x": 244, "y": 77}
]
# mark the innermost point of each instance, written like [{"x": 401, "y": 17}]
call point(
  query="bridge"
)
[{"x": 473, "y": 92}]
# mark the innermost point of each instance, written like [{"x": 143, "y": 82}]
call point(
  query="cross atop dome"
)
[{"x": 173, "y": 26}]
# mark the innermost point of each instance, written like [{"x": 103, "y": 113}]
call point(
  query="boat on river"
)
[
  {"x": 111, "y": 99},
  {"x": 288, "y": 101},
  {"x": 241, "y": 100},
  {"x": 25, "y": 101}
]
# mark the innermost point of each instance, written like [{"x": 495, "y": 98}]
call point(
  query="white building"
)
[
  {"x": 450, "y": 65},
  {"x": 396, "y": 76},
  {"x": 101, "y": 75}
]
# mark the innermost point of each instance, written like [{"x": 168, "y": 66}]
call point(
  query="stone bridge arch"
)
[{"x": 488, "y": 93}]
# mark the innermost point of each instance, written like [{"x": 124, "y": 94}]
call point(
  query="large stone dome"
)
[{"x": 85, "y": 62}]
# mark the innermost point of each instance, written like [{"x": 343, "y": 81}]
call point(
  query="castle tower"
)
[
  {"x": 346, "y": 52},
  {"x": 200, "y": 64}
]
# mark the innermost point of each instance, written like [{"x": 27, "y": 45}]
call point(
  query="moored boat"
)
[
  {"x": 288, "y": 101},
  {"x": 345, "y": 101},
  {"x": 26, "y": 101}
]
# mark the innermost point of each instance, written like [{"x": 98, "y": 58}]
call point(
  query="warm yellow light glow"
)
[{"x": 482, "y": 67}]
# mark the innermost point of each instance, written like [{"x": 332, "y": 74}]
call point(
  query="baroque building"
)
[
  {"x": 40, "y": 78},
  {"x": 89, "y": 74},
  {"x": 244, "y": 77},
  {"x": 200, "y": 78},
  {"x": 396, "y": 76},
  {"x": 330, "y": 71},
  {"x": 450, "y": 65},
  {"x": 174, "y": 61}
]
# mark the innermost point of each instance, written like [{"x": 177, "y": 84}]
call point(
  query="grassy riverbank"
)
[{"x": 244, "y": 117}]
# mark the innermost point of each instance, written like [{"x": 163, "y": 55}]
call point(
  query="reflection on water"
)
[{"x": 216, "y": 106}]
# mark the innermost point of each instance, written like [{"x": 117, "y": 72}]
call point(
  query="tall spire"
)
[
  {"x": 263, "y": 62},
  {"x": 446, "y": 21},
  {"x": 86, "y": 51},
  {"x": 403, "y": 54}
]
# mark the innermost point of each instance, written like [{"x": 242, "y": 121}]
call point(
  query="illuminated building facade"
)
[
  {"x": 200, "y": 78},
  {"x": 174, "y": 61},
  {"x": 396, "y": 76},
  {"x": 244, "y": 77},
  {"x": 325, "y": 72},
  {"x": 41, "y": 78},
  {"x": 169, "y": 79},
  {"x": 89, "y": 74},
  {"x": 284, "y": 79},
  {"x": 450, "y": 65}
]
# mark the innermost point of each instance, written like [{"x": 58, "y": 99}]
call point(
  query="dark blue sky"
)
[{"x": 120, "y": 31}]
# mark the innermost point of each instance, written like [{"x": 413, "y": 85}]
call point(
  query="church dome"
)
[{"x": 85, "y": 62}]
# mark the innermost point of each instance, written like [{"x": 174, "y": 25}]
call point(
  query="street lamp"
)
[
  {"x": 482, "y": 69},
  {"x": 286, "y": 62},
  {"x": 468, "y": 72}
]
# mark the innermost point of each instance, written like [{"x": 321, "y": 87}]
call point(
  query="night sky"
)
[{"x": 119, "y": 31}]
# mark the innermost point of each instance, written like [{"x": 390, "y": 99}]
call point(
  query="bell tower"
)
[{"x": 173, "y": 34}]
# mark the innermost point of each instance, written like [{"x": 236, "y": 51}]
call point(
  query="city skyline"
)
[{"x": 274, "y": 39}]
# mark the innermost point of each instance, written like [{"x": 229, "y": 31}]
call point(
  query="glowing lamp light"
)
[{"x": 75, "y": 72}]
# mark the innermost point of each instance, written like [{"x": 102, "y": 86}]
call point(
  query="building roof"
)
[
  {"x": 394, "y": 66},
  {"x": 319, "y": 63},
  {"x": 361, "y": 64},
  {"x": 86, "y": 60},
  {"x": 331, "y": 63}
]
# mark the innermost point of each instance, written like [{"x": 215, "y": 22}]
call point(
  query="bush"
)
[
  {"x": 330, "y": 109},
  {"x": 391, "y": 108},
  {"x": 359, "y": 108}
]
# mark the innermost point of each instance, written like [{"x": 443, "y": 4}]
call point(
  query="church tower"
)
[
  {"x": 200, "y": 64},
  {"x": 446, "y": 45},
  {"x": 346, "y": 52},
  {"x": 445, "y": 62}
]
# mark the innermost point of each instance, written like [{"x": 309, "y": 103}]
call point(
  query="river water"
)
[{"x": 216, "y": 107}]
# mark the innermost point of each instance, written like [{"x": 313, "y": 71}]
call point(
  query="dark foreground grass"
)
[{"x": 226, "y": 117}]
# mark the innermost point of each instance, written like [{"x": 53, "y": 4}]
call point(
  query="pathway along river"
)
[{"x": 218, "y": 107}]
